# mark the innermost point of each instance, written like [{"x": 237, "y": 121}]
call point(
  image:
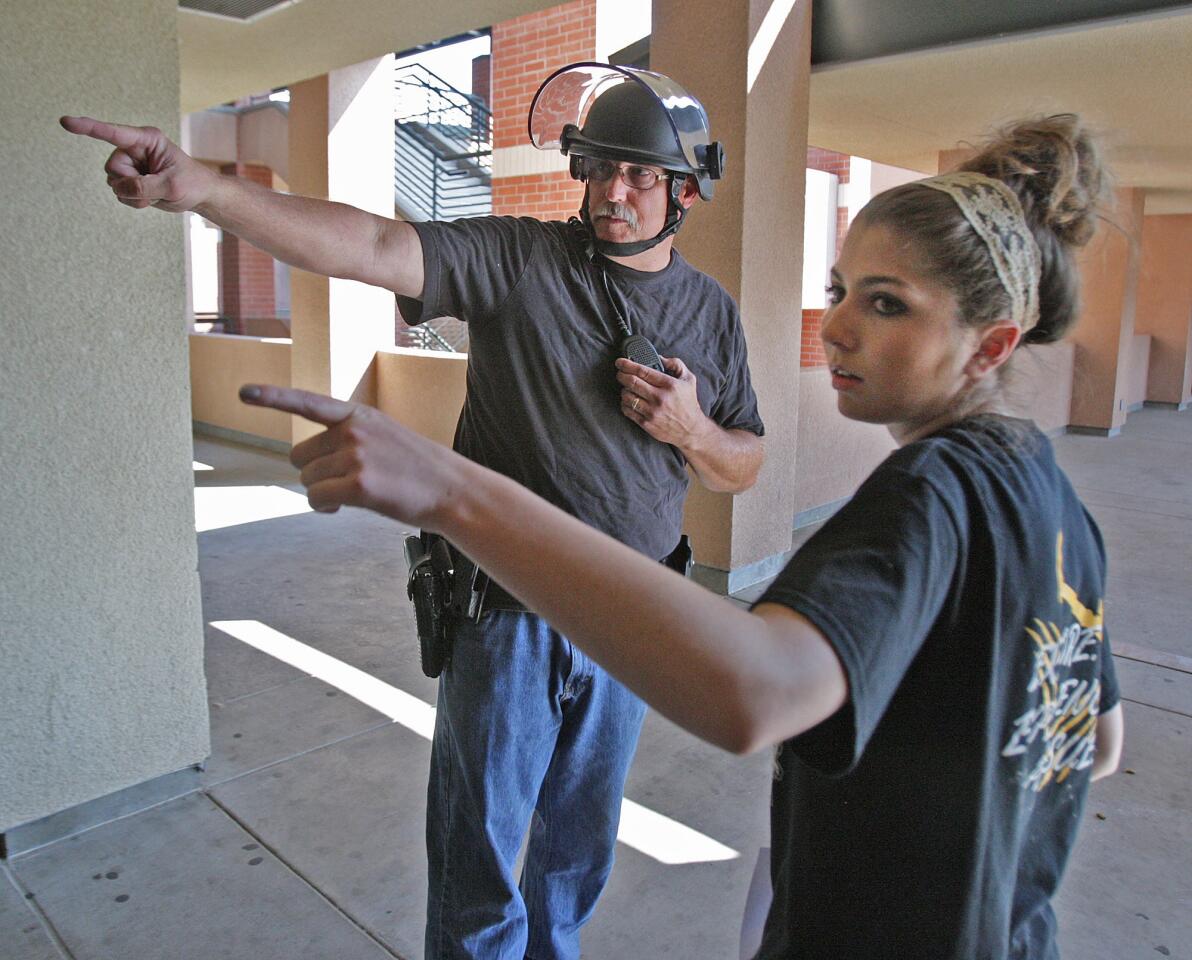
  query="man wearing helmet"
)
[
  {"x": 642, "y": 122},
  {"x": 529, "y": 732}
]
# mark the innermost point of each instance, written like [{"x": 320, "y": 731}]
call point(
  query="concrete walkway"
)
[{"x": 302, "y": 837}]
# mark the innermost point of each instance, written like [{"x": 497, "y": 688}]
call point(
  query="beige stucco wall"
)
[
  {"x": 835, "y": 453},
  {"x": 263, "y": 136},
  {"x": 101, "y": 638},
  {"x": 1136, "y": 372},
  {"x": 210, "y": 135},
  {"x": 422, "y": 389},
  {"x": 259, "y": 135},
  {"x": 1038, "y": 384},
  {"x": 220, "y": 364}
]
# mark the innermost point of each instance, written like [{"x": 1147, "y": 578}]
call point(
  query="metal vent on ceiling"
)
[{"x": 242, "y": 11}]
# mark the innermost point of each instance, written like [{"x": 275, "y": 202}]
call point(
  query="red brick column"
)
[
  {"x": 482, "y": 78},
  {"x": 811, "y": 348},
  {"x": 245, "y": 273},
  {"x": 524, "y": 51}
]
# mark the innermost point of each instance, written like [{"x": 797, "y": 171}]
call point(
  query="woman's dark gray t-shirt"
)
[{"x": 933, "y": 815}]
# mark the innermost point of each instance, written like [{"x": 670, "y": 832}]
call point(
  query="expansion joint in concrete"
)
[
  {"x": 257, "y": 838},
  {"x": 43, "y": 921}
]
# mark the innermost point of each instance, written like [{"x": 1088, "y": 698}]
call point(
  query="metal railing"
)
[
  {"x": 443, "y": 148},
  {"x": 442, "y": 170},
  {"x": 445, "y": 333}
]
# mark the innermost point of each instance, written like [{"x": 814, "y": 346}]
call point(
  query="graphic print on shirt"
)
[{"x": 1059, "y": 729}]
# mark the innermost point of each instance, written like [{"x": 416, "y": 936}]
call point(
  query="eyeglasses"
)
[{"x": 634, "y": 175}]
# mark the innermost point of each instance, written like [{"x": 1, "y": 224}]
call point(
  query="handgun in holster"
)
[
  {"x": 428, "y": 584},
  {"x": 444, "y": 586},
  {"x": 681, "y": 559}
]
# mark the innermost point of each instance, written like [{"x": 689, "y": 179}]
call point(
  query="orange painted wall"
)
[{"x": 1165, "y": 306}]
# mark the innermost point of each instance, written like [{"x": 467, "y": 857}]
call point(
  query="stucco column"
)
[
  {"x": 101, "y": 637},
  {"x": 1104, "y": 334},
  {"x": 341, "y": 148},
  {"x": 1165, "y": 306},
  {"x": 754, "y": 82}
]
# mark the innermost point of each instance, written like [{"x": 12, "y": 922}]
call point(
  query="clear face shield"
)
[{"x": 565, "y": 97}]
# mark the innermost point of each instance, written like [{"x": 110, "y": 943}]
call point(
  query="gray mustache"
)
[{"x": 618, "y": 210}]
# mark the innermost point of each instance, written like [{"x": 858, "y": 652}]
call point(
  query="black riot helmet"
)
[{"x": 616, "y": 113}]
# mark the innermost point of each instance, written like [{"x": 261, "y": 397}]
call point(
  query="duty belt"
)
[{"x": 474, "y": 591}]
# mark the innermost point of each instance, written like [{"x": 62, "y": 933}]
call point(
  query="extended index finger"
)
[
  {"x": 313, "y": 406},
  {"x": 117, "y": 134}
]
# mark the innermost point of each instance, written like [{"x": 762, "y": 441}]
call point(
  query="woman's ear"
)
[{"x": 994, "y": 347}]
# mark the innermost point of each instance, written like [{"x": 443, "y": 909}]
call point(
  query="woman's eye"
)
[
  {"x": 888, "y": 306},
  {"x": 835, "y": 293}
]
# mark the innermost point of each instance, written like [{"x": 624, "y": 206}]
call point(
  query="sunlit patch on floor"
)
[
  {"x": 646, "y": 831},
  {"x": 397, "y": 705},
  {"x": 218, "y": 507}
]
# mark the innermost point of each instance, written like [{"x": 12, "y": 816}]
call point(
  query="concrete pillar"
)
[
  {"x": 754, "y": 82},
  {"x": 1104, "y": 334},
  {"x": 1165, "y": 307},
  {"x": 101, "y": 637},
  {"x": 341, "y": 148}
]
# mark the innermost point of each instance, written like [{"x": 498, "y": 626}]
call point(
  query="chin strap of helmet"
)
[{"x": 674, "y": 220}]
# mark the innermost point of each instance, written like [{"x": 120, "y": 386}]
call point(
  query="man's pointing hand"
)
[{"x": 147, "y": 169}]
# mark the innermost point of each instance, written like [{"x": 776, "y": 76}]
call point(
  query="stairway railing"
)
[
  {"x": 443, "y": 147},
  {"x": 442, "y": 170}
]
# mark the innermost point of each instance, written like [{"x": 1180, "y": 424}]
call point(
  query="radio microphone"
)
[{"x": 637, "y": 348}]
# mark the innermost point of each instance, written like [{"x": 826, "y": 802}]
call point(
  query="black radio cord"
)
[{"x": 622, "y": 321}]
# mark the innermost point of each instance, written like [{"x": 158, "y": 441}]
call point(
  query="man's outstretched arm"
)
[{"x": 148, "y": 170}]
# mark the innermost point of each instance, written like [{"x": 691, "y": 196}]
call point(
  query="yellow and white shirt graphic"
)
[{"x": 1058, "y": 731}]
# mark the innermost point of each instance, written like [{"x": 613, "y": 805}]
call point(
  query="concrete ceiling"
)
[
  {"x": 1132, "y": 80},
  {"x": 223, "y": 60}
]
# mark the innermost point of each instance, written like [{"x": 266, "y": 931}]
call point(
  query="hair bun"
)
[{"x": 1054, "y": 166}]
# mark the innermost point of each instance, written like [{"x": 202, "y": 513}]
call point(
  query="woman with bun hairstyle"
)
[{"x": 932, "y": 666}]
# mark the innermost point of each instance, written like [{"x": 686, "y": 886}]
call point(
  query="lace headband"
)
[{"x": 995, "y": 213}]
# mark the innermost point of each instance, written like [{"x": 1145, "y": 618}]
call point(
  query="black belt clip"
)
[{"x": 469, "y": 585}]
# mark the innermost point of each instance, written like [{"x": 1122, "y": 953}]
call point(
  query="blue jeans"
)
[{"x": 529, "y": 733}]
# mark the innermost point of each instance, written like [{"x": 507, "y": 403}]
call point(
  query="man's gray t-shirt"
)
[{"x": 543, "y": 401}]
